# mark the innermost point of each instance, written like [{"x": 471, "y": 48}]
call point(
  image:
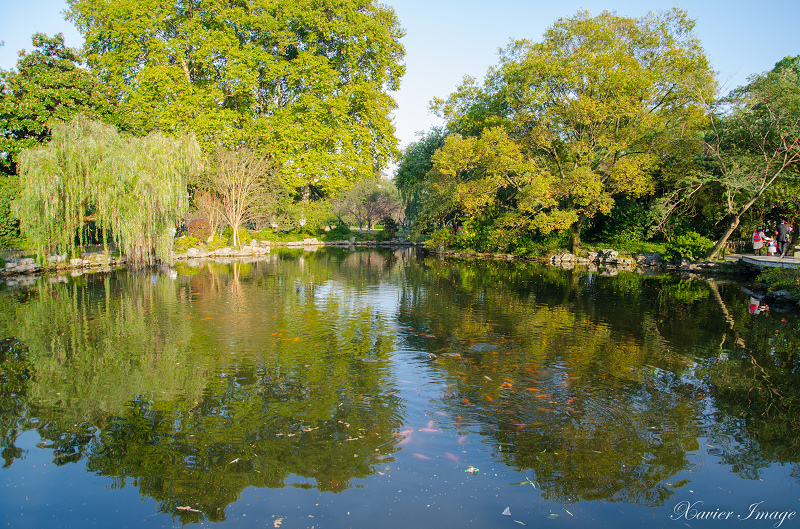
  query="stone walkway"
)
[{"x": 766, "y": 261}]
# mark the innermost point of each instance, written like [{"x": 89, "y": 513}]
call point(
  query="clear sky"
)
[{"x": 447, "y": 39}]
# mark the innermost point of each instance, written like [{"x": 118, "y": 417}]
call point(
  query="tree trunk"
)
[
  {"x": 306, "y": 199},
  {"x": 715, "y": 251},
  {"x": 575, "y": 233}
]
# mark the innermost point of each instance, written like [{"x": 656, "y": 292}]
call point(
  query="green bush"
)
[
  {"x": 443, "y": 237},
  {"x": 691, "y": 245},
  {"x": 782, "y": 279},
  {"x": 389, "y": 229},
  {"x": 338, "y": 233},
  {"x": 182, "y": 244},
  {"x": 216, "y": 243},
  {"x": 244, "y": 236}
]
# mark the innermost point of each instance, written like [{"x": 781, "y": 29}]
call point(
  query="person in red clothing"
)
[{"x": 759, "y": 238}]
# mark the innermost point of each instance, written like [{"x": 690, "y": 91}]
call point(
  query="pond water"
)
[{"x": 343, "y": 388}]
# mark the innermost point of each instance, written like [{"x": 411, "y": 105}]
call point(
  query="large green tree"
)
[
  {"x": 133, "y": 188},
  {"x": 309, "y": 79},
  {"x": 48, "y": 86},
  {"x": 599, "y": 105}
]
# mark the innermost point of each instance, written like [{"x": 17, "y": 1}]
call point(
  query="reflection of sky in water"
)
[{"x": 383, "y": 298}]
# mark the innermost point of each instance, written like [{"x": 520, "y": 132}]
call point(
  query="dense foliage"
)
[
  {"x": 311, "y": 79},
  {"x": 564, "y": 127}
]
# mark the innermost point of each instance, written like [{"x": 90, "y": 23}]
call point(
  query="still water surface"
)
[{"x": 387, "y": 389}]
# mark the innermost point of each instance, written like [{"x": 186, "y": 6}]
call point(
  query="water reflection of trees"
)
[
  {"x": 248, "y": 373},
  {"x": 193, "y": 389},
  {"x": 590, "y": 382},
  {"x": 756, "y": 387}
]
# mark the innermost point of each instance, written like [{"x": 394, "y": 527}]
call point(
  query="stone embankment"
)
[
  {"x": 256, "y": 248},
  {"x": 610, "y": 259},
  {"x": 25, "y": 269},
  {"x": 610, "y": 262}
]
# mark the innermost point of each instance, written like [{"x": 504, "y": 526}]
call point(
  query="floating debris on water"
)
[
  {"x": 507, "y": 512},
  {"x": 472, "y": 470}
]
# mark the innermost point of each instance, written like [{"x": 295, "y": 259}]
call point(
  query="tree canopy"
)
[
  {"x": 133, "y": 188},
  {"x": 309, "y": 80},
  {"x": 47, "y": 87},
  {"x": 592, "y": 110}
]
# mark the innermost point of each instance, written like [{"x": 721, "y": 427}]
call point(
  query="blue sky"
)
[{"x": 447, "y": 39}]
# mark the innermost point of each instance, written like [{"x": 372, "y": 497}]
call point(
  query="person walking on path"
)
[
  {"x": 758, "y": 240},
  {"x": 783, "y": 236}
]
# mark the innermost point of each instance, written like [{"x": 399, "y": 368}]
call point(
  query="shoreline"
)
[{"x": 24, "y": 271}]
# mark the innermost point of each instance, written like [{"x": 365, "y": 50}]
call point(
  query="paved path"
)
[{"x": 765, "y": 261}]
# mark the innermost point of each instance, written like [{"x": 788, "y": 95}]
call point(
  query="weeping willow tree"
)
[{"x": 132, "y": 188}]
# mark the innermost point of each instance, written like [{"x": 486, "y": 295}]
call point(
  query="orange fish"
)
[
  {"x": 462, "y": 439},
  {"x": 451, "y": 457},
  {"x": 490, "y": 399},
  {"x": 428, "y": 430},
  {"x": 404, "y": 432},
  {"x": 420, "y": 456},
  {"x": 543, "y": 396},
  {"x": 465, "y": 400}
]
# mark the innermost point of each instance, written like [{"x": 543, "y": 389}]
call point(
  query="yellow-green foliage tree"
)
[
  {"x": 133, "y": 188},
  {"x": 592, "y": 110},
  {"x": 310, "y": 79}
]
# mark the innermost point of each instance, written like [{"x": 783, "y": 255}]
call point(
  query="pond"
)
[{"x": 387, "y": 389}]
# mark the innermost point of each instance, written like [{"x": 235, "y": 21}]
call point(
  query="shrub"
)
[
  {"x": 200, "y": 229},
  {"x": 244, "y": 236},
  {"x": 782, "y": 279},
  {"x": 691, "y": 245},
  {"x": 338, "y": 233},
  {"x": 389, "y": 227},
  {"x": 443, "y": 237},
  {"x": 182, "y": 244},
  {"x": 216, "y": 243}
]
